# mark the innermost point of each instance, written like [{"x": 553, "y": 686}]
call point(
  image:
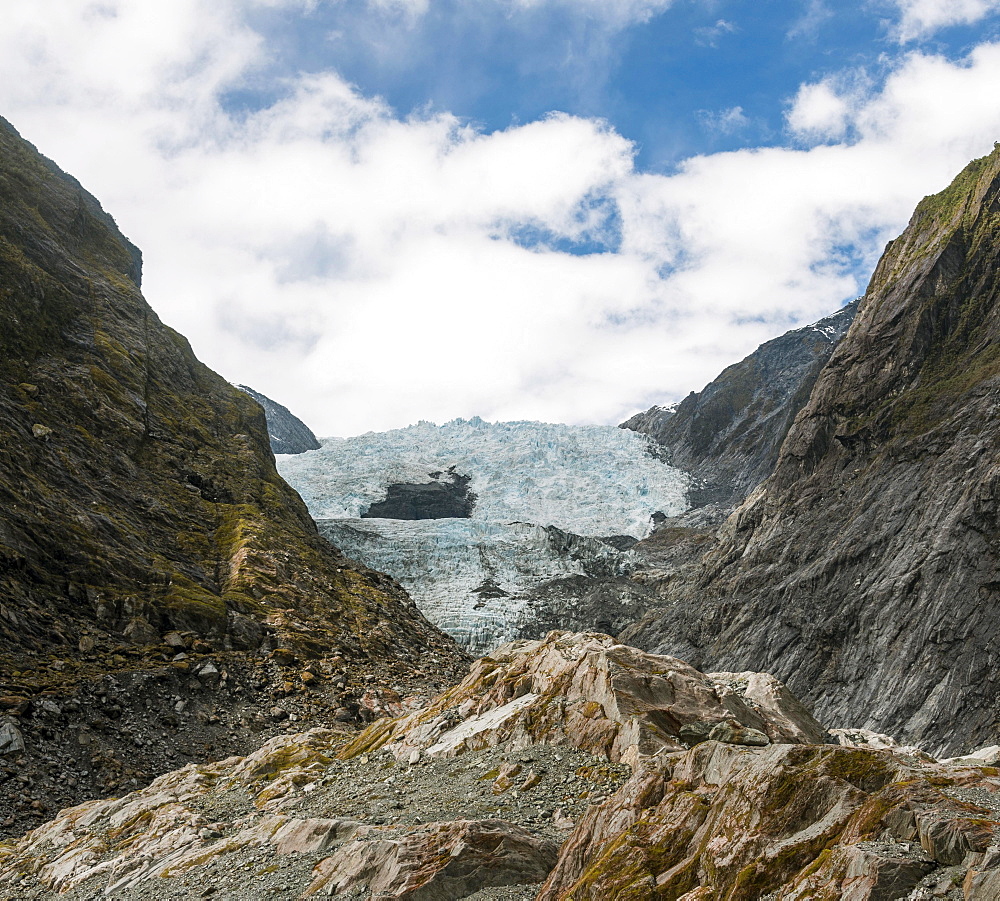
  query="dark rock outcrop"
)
[
  {"x": 865, "y": 572},
  {"x": 446, "y": 496},
  {"x": 288, "y": 434},
  {"x": 728, "y": 434},
  {"x": 142, "y": 520}
]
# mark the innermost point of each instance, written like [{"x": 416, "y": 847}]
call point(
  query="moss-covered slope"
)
[
  {"x": 138, "y": 492},
  {"x": 866, "y": 571}
]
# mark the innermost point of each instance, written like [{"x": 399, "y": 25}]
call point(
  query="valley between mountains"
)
[{"x": 742, "y": 648}]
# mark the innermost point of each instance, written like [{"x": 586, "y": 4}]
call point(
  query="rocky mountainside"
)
[
  {"x": 572, "y": 767},
  {"x": 288, "y": 434},
  {"x": 727, "y": 435},
  {"x": 145, "y": 536},
  {"x": 865, "y": 571}
]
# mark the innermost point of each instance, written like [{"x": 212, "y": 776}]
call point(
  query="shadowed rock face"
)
[
  {"x": 287, "y": 433},
  {"x": 728, "y": 434},
  {"x": 865, "y": 572},
  {"x": 446, "y": 496}
]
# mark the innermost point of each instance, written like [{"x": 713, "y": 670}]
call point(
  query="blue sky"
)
[
  {"x": 381, "y": 211},
  {"x": 666, "y": 82}
]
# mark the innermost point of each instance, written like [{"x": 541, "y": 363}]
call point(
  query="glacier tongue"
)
[{"x": 533, "y": 484}]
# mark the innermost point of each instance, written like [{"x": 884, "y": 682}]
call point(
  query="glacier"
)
[{"x": 545, "y": 496}]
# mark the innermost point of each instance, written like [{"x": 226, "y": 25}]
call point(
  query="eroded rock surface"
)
[
  {"x": 293, "y": 819},
  {"x": 592, "y": 693},
  {"x": 784, "y": 822},
  {"x": 510, "y": 779}
]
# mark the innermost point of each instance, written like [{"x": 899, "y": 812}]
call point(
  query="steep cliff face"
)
[
  {"x": 138, "y": 489},
  {"x": 728, "y": 434},
  {"x": 288, "y": 434},
  {"x": 866, "y": 571}
]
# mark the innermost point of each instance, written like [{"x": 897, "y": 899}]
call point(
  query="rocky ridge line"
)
[
  {"x": 287, "y": 433},
  {"x": 727, "y": 436}
]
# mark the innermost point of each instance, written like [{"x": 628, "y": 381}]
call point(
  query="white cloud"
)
[
  {"x": 709, "y": 36},
  {"x": 921, "y": 18},
  {"x": 724, "y": 122},
  {"x": 819, "y": 112},
  {"x": 620, "y": 12},
  {"x": 808, "y": 25},
  {"x": 367, "y": 270}
]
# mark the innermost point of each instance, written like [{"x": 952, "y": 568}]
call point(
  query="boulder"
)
[
  {"x": 794, "y": 822},
  {"x": 11, "y": 740},
  {"x": 437, "y": 862}
]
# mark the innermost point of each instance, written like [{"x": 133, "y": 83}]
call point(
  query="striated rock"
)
[
  {"x": 864, "y": 571},
  {"x": 305, "y": 836},
  {"x": 982, "y": 884},
  {"x": 880, "y": 871},
  {"x": 989, "y": 756},
  {"x": 786, "y": 718},
  {"x": 728, "y": 434},
  {"x": 291, "y": 817},
  {"x": 588, "y": 691},
  {"x": 438, "y": 862},
  {"x": 287, "y": 433},
  {"x": 798, "y": 821}
]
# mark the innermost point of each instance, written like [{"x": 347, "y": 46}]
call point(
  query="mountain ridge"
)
[
  {"x": 150, "y": 554},
  {"x": 728, "y": 435},
  {"x": 863, "y": 571}
]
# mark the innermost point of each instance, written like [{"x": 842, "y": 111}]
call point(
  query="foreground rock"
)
[
  {"x": 511, "y": 779},
  {"x": 788, "y": 822},
  {"x": 292, "y": 819},
  {"x": 589, "y": 692}
]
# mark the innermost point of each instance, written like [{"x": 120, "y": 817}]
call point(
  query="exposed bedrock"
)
[
  {"x": 288, "y": 434},
  {"x": 447, "y": 496},
  {"x": 865, "y": 572}
]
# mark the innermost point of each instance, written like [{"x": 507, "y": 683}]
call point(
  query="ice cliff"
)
[{"x": 542, "y": 498}]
